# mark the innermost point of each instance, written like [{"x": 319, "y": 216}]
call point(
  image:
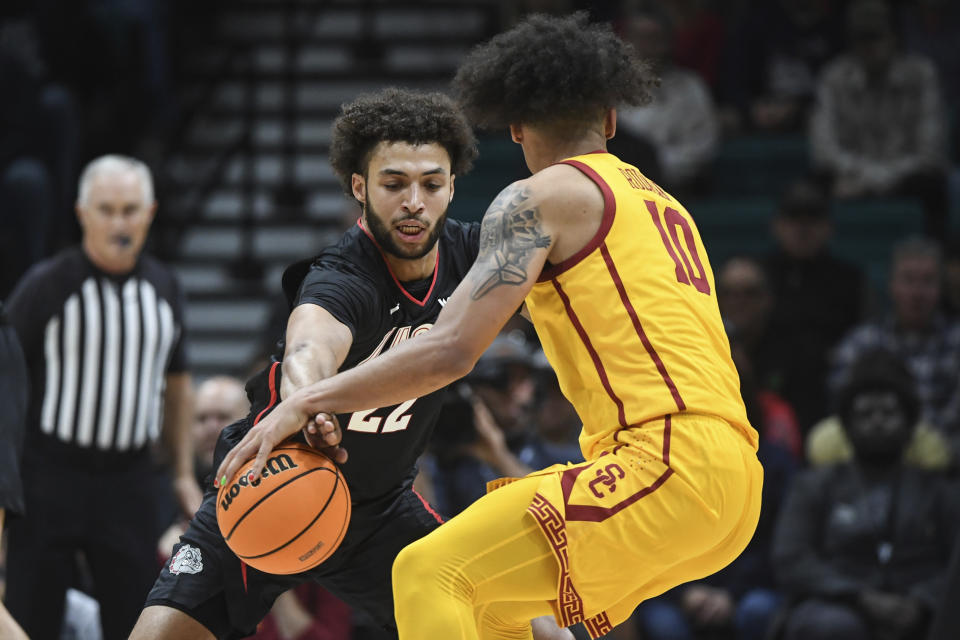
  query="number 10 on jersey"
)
[{"x": 674, "y": 223}]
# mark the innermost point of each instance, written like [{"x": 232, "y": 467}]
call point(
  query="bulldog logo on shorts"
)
[{"x": 186, "y": 560}]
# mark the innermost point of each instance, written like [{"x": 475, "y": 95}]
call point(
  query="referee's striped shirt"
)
[{"x": 98, "y": 348}]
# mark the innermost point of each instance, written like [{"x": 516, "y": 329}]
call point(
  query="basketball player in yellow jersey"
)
[{"x": 618, "y": 285}]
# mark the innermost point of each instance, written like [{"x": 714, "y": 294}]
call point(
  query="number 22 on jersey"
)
[{"x": 397, "y": 420}]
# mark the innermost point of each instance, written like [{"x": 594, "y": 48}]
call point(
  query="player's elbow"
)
[{"x": 455, "y": 356}]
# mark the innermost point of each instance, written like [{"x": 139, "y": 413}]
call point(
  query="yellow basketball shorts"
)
[{"x": 669, "y": 501}]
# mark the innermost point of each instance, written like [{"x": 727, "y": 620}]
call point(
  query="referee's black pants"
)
[{"x": 108, "y": 515}]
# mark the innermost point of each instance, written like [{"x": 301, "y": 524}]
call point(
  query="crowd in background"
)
[{"x": 854, "y": 390}]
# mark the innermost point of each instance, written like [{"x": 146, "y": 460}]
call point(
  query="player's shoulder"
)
[
  {"x": 557, "y": 191},
  {"x": 353, "y": 260},
  {"x": 354, "y": 252},
  {"x": 560, "y": 182}
]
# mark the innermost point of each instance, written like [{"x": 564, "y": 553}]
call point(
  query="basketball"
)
[{"x": 291, "y": 518}]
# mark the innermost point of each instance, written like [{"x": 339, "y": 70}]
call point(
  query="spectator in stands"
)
[
  {"x": 219, "y": 401},
  {"x": 484, "y": 428},
  {"x": 918, "y": 332},
  {"x": 698, "y": 37},
  {"x": 862, "y": 546},
  {"x": 931, "y": 28},
  {"x": 815, "y": 294},
  {"x": 742, "y": 598},
  {"x": 681, "y": 122},
  {"x": 773, "y": 56},
  {"x": 783, "y": 364},
  {"x": 558, "y": 425},
  {"x": 878, "y": 127}
]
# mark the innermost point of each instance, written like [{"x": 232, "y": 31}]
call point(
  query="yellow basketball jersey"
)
[{"x": 630, "y": 322}]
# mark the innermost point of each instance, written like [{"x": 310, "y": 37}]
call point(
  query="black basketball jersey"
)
[{"x": 353, "y": 281}]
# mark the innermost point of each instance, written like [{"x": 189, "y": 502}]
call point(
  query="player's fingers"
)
[
  {"x": 313, "y": 439},
  {"x": 260, "y": 462},
  {"x": 329, "y": 428},
  {"x": 220, "y": 478},
  {"x": 236, "y": 456},
  {"x": 313, "y": 425},
  {"x": 339, "y": 455}
]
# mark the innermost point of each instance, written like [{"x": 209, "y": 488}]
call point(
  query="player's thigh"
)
[
  {"x": 493, "y": 547},
  {"x": 159, "y": 622}
]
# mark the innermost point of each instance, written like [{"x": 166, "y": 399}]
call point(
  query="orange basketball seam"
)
[
  {"x": 273, "y": 491},
  {"x": 303, "y": 531}
]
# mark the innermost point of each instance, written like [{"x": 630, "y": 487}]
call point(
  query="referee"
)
[{"x": 101, "y": 329}]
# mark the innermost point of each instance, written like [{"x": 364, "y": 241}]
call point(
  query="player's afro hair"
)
[
  {"x": 399, "y": 115},
  {"x": 551, "y": 70}
]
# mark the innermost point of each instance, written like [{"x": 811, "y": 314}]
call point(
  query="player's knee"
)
[
  {"x": 417, "y": 571},
  {"x": 412, "y": 568}
]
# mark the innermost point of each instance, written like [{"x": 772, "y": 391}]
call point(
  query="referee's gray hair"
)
[
  {"x": 916, "y": 247},
  {"x": 114, "y": 162}
]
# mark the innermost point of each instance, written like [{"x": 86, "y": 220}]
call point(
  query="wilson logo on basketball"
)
[{"x": 275, "y": 465}]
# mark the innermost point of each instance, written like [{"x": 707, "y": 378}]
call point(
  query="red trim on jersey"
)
[
  {"x": 618, "y": 282},
  {"x": 427, "y": 506},
  {"x": 621, "y": 415},
  {"x": 599, "y": 625},
  {"x": 273, "y": 391},
  {"x": 243, "y": 572},
  {"x": 569, "y": 604},
  {"x": 609, "y": 211},
  {"x": 436, "y": 269},
  {"x": 666, "y": 440}
]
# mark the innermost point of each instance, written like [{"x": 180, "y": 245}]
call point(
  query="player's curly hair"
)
[
  {"x": 399, "y": 115},
  {"x": 551, "y": 70}
]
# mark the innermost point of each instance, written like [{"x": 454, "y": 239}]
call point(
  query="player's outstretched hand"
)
[{"x": 284, "y": 421}]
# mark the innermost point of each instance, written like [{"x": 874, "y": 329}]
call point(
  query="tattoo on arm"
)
[{"x": 510, "y": 233}]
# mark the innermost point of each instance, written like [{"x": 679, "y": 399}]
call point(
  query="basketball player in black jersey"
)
[{"x": 397, "y": 152}]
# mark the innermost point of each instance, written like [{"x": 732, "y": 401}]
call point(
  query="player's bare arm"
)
[
  {"x": 316, "y": 346},
  {"x": 518, "y": 234}
]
